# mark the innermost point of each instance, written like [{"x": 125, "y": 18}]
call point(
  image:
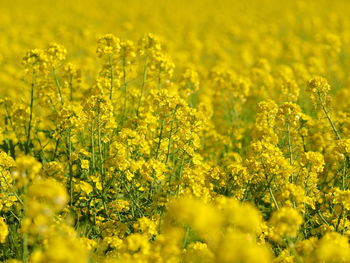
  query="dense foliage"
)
[{"x": 174, "y": 131}]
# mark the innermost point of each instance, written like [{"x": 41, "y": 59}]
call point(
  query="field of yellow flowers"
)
[{"x": 174, "y": 131}]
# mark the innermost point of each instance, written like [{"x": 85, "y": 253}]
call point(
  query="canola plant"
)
[{"x": 174, "y": 131}]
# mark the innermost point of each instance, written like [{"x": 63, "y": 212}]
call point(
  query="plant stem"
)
[
  {"x": 70, "y": 168},
  {"x": 112, "y": 78},
  {"x": 144, "y": 79},
  {"x": 159, "y": 138},
  {"x": 170, "y": 134},
  {"x": 273, "y": 198},
  {"x": 58, "y": 84},
  {"x": 125, "y": 88},
  {"x": 31, "y": 112}
]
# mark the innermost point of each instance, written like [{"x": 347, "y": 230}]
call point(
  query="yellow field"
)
[{"x": 174, "y": 131}]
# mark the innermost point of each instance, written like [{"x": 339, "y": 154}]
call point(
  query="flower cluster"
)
[{"x": 222, "y": 136}]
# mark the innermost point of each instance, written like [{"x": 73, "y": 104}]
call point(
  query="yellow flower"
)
[
  {"x": 85, "y": 164},
  {"x": 333, "y": 247},
  {"x": 284, "y": 222},
  {"x": 3, "y": 230}
]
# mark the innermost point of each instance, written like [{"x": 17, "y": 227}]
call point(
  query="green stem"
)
[
  {"x": 329, "y": 117},
  {"x": 112, "y": 78},
  {"x": 144, "y": 79},
  {"x": 273, "y": 198},
  {"x": 25, "y": 252},
  {"x": 92, "y": 147},
  {"x": 31, "y": 112},
  {"x": 290, "y": 150},
  {"x": 187, "y": 232},
  {"x": 125, "y": 88},
  {"x": 170, "y": 134},
  {"x": 290, "y": 145},
  {"x": 323, "y": 219},
  {"x": 159, "y": 80},
  {"x": 58, "y": 84},
  {"x": 339, "y": 218},
  {"x": 70, "y": 168},
  {"x": 101, "y": 160},
  {"x": 159, "y": 138},
  {"x": 71, "y": 87}
]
